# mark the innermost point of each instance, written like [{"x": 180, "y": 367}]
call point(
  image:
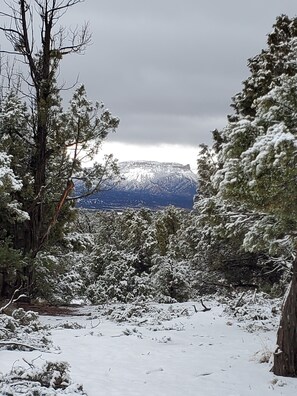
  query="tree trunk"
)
[{"x": 285, "y": 356}]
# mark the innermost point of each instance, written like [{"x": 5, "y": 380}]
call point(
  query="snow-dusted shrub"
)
[
  {"x": 254, "y": 311},
  {"x": 68, "y": 325},
  {"x": 170, "y": 280},
  {"x": 26, "y": 318},
  {"x": 61, "y": 276},
  {"x": 49, "y": 380},
  {"x": 119, "y": 282},
  {"x": 49, "y": 272},
  {"x": 23, "y": 331},
  {"x": 142, "y": 312},
  {"x": 263, "y": 356}
]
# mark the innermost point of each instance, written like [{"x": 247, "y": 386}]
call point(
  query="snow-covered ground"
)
[{"x": 162, "y": 350}]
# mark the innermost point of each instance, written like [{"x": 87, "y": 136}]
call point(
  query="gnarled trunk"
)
[{"x": 285, "y": 356}]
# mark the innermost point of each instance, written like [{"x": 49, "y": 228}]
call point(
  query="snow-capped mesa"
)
[
  {"x": 148, "y": 184},
  {"x": 156, "y": 176}
]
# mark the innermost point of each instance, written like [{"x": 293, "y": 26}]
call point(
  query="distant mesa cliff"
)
[{"x": 147, "y": 184}]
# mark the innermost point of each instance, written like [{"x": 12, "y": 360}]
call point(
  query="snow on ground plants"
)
[{"x": 162, "y": 349}]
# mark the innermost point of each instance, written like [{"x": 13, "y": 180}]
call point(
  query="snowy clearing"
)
[{"x": 160, "y": 350}]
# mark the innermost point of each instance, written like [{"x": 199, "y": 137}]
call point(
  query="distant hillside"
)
[{"x": 148, "y": 184}]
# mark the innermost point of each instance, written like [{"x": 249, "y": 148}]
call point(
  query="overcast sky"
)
[{"x": 168, "y": 68}]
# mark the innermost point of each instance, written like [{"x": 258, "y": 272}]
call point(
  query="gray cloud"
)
[
  {"x": 167, "y": 128},
  {"x": 168, "y": 68}
]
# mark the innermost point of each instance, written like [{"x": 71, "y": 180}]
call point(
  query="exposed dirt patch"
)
[{"x": 50, "y": 310}]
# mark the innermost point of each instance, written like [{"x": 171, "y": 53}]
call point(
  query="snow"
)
[
  {"x": 168, "y": 350},
  {"x": 139, "y": 174},
  {"x": 7, "y": 174},
  {"x": 142, "y": 172}
]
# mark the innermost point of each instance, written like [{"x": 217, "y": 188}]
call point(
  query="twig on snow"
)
[{"x": 205, "y": 309}]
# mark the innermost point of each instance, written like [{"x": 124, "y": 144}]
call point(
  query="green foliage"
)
[
  {"x": 120, "y": 282},
  {"x": 166, "y": 225},
  {"x": 11, "y": 263},
  {"x": 262, "y": 172},
  {"x": 10, "y": 184},
  {"x": 74, "y": 136},
  {"x": 268, "y": 67},
  {"x": 171, "y": 280},
  {"x": 206, "y": 167},
  {"x": 116, "y": 257},
  {"x": 225, "y": 253}
]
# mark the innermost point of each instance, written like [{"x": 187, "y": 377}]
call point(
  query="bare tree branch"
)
[{"x": 12, "y": 299}]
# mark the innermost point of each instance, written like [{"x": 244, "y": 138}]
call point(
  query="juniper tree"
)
[
  {"x": 258, "y": 161},
  {"x": 49, "y": 144},
  {"x": 260, "y": 169}
]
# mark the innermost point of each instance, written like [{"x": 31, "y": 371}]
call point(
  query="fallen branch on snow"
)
[
  {"x": 27, "y": 346},
  {"x": 12, "y": 300},
  {"x": 205, "y": 309}
]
